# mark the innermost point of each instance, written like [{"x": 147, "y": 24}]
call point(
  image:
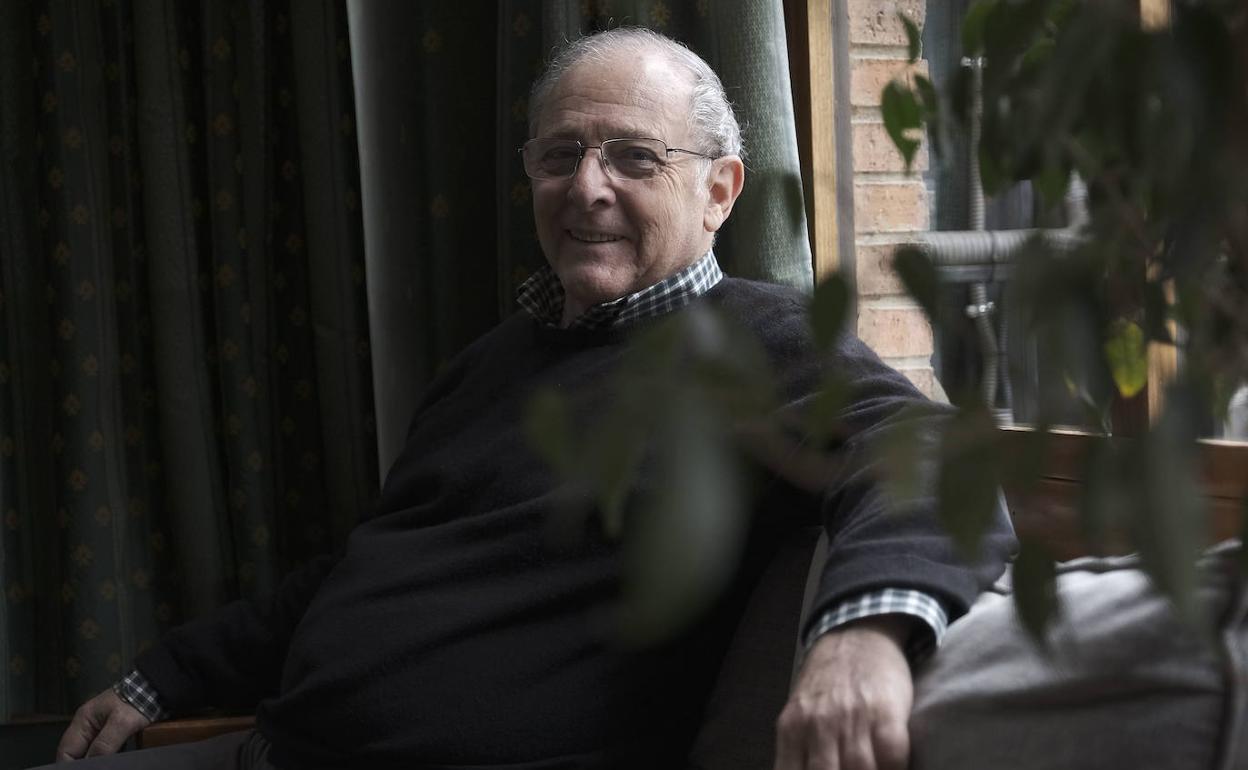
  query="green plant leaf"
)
[
  {"x": 1170, "y": 510},
  {"x": 1022, "y": 469},
  {"x": 928, "y": 97},
  {"x": 1008, "y": 32},
  {"x": 829, "y": 309},
  {"x": 1157, "y": 311},
  {"x": 1039, "y": 54},
  {"x": 991, "y": 173},
  {"x": 1221, "y": 391},
  {"x": 550, "y": 429},
  {"x": 1051, "y": 183},
  {"x": 1127, "y": 356},
  {"x": 919, "y": 276},
  {"x": 826, "y": 408},
  {"x": 1095, "y": 414},
  {"x": 724, "y": 361},
  {"x": 612, "y": 458},
  {"x": 973, "y": 26},
  {"x": 1106, "y": 503},
  {"x": 902, "y": 115},
  {"x": 902, "y": 454},
  {"x": 1059, "y": 12},
  {"x": 914, "y": 38},
  {"x": 970, "y": 473},
  {"x": 681, "y": 549},
  {"x": 1035, "y": 590},
  {"x": 1243, "y": 534}
]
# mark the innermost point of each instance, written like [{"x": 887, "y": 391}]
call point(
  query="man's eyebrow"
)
[
  {"x": 562, "y": 133},
  {"x": 625, "y": 132}
]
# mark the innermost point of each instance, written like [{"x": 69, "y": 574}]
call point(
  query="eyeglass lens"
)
[{"x": 623, "y": 158}]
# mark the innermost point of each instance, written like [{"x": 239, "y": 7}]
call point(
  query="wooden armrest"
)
[
  {"x": 190, "y": 730},
  {"x": 1049, "y": 510}
]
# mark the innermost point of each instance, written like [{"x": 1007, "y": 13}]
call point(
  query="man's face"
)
[{"x": 607, "y": 237}]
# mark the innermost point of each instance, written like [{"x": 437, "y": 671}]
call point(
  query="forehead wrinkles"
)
[{"x": 647, "y": 98}]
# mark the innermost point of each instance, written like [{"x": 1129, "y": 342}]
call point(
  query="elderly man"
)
[{"x": 447, "y": 633}]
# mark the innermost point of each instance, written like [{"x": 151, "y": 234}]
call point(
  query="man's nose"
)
[{"x": 590, "y": 182}]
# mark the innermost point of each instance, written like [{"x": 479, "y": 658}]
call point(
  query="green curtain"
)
[
  {"x": 185, "y": 376},
  {"x": 442, "y": 91},
  {"x": 195, "y": 339}
]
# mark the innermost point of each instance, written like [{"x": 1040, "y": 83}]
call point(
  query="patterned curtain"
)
[
  {"x": 187, "y": 373},
  {"x": 443, "y": 96},
  {"x": 185, "y": 382}
]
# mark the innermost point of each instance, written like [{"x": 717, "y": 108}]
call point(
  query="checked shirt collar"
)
[{"x": 542, "y": 296}]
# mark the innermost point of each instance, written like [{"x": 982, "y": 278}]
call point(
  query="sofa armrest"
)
[{"x": 190, "y": 730}]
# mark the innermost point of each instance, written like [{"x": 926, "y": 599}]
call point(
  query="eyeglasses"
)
[{"x": 621, "y": 158}]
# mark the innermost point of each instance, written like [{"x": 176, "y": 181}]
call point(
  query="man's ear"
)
[{"x": 725, "y": 179}]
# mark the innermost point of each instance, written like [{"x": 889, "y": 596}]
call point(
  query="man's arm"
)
[
  {"x": 850, "y": 705},
  {"x": 231, "y": 658}
]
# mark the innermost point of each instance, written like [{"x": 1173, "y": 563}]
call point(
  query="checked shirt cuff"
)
[
  {"x": 138, "y": 692},
  {"x": 889, "y": 601}
]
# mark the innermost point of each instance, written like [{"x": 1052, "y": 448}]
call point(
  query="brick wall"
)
[{"x": 889, "y": 205}]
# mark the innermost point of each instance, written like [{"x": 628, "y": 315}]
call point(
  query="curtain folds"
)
[
  {"x": 185, "y": 387},
  {"x": 194, "y": 338}
]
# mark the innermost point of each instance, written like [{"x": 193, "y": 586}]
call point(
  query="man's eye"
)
[
  {"x": 638, "y": 155},
  {"x": 557, "y": 154}
]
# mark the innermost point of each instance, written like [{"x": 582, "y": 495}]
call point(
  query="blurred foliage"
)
[
  {"x": 685, "y": 389},
  {"x": 1155, "y": 121},
  {"x": 667, "y": 465}
]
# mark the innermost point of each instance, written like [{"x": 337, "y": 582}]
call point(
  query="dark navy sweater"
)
[{"x": 450, "y": 633}]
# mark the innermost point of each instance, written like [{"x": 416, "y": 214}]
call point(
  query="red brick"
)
[
  {"x": 867, "y": 77},
  {"x": 890, "y": 207},
  {"x": 895, "y": 332},
  {"x": 875, "y": 22}
]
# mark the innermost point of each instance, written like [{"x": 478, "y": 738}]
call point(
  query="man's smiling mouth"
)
[{"x": 588, "y": 236}]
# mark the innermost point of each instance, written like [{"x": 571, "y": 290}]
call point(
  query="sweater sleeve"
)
[
  {"x": 875, "y": 542},
  {"x": 233, "y": 657}
]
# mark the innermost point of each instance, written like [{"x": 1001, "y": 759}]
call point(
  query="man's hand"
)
[
  {"x": 100, "y": 726},
  {"x": 851, "y": 705}
]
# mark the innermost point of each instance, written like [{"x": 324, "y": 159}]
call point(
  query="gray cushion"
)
[{"x": 1125, "y": 685}]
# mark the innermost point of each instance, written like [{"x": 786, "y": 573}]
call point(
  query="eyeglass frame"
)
[{"x": 602, "y": 158}]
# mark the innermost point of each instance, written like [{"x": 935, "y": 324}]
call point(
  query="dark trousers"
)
[{"x": 246, "y": 750}]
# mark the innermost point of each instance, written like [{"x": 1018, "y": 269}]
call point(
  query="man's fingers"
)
[
  {"x": 81, "y": 731},
  {"x": 790, "y": 741},
  {"x": 891, "y": 741},
  {"x": 807, "y": 739},
  {"x": 857, "y": 753},
  {"x": 111, "y": 737},
  {"x": 123, "y": 721},
  {"x": 74, "y": 742}
]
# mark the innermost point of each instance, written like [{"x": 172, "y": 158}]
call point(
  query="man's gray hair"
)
[{"x": 711, "y": 118}]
